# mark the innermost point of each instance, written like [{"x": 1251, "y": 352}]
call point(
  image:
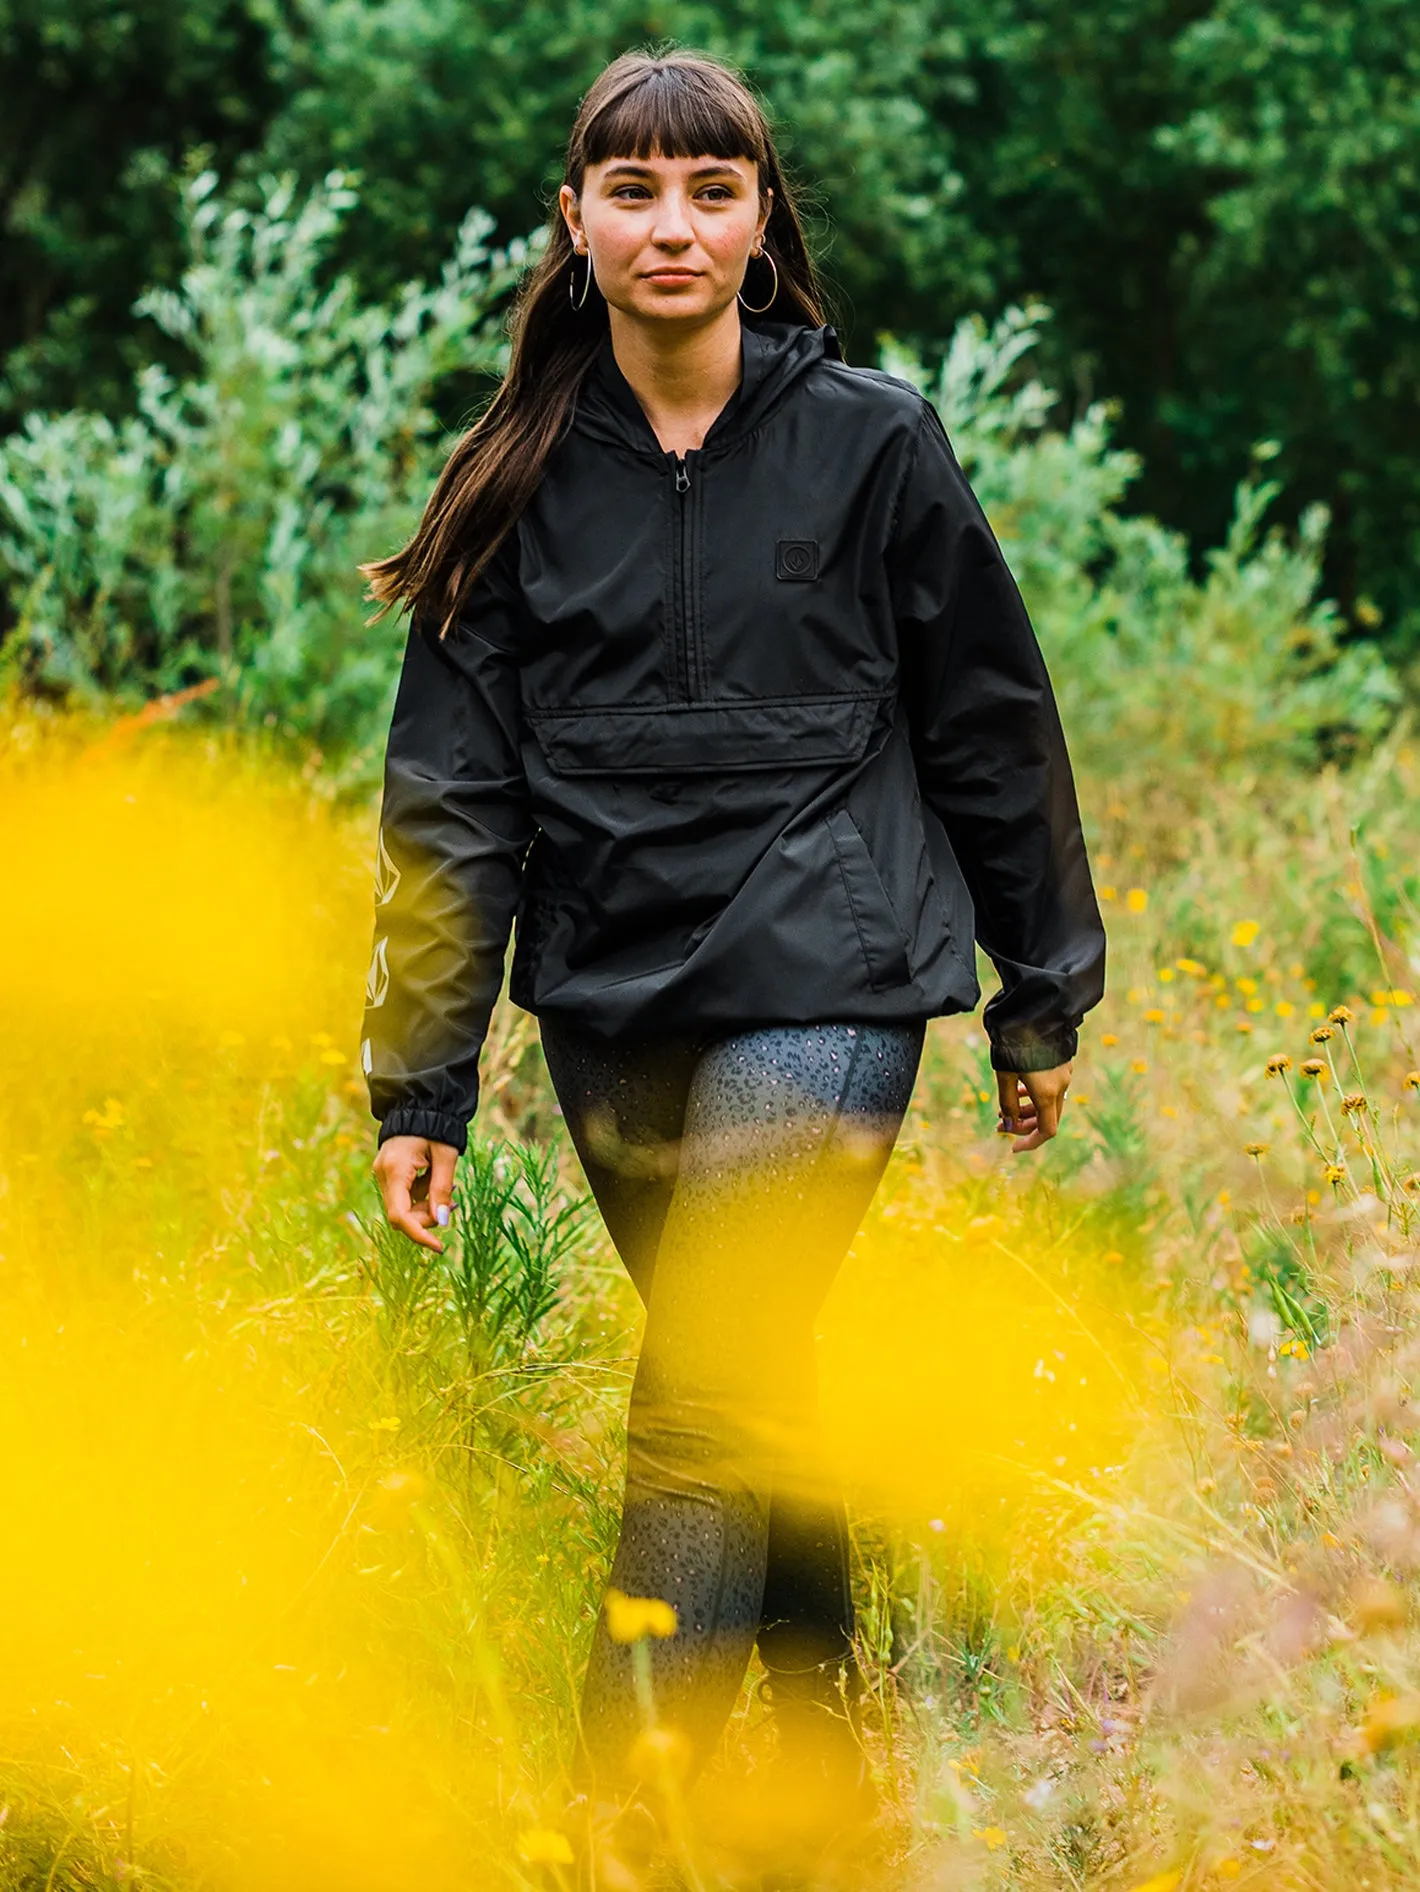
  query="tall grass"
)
[{"x": 307, "y": 1529}]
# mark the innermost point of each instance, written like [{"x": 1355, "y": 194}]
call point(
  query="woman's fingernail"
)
[{"x": 441, "y": 1215}]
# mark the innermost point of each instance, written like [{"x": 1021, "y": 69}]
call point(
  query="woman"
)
[{"x": 717, "y": 682}]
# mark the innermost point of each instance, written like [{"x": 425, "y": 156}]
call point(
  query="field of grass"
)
[{"x": 305, "y": 1530}]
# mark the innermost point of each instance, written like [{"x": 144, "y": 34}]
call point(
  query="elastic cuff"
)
[
  {"x": 1034, "y": 1054},
  {"x": 438, "y": 1125}
]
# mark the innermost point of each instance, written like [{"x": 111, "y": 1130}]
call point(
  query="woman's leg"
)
[
  {"x": 624, "y": 1103},
  {"x": 785, "y": 1136}
]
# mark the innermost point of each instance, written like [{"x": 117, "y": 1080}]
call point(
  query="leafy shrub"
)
[
  {"x": 216, "y": 532},
  {"x": 1242, "y": 665}
]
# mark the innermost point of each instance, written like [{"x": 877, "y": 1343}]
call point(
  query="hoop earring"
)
[
  {"x": 773, "y": 294},
  {"x": 577, "y": 300}
]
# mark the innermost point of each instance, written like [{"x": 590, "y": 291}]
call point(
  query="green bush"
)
[
  {"x": 216, "y": 532},
  {"x": 1242, "y": 665}
]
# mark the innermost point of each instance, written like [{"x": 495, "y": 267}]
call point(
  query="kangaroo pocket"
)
[{"x": 680, "y": 739}]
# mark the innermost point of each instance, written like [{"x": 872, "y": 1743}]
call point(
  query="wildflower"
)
[
  {"x": 1165, "y": 975},
  {"x": 1353, "y": 1103},
  {"x": 1341, "y": 1015},
  {"x": 629, "y": 1618},
  {"x": 1109, "y": 1038},
  {"x": 1315, "y": 1067},
  {"x": 1278, "y": 1063},
  {"x": 1193, "y": 967},
  {"x": 1246, "y": 986},
  {"x": 1161, "y": 1882},
  {"x": 1390, "y": 1719},
  {"x": 540, "y": 1847},
  {"x": 1245, "y": 932},
  {"x": 1321, "y": 1034},
  {"x": 1256, "y": 1149},
  {"x": 1153, "y": 1016},
  {"x": 994, "y": 1836},
  {"x": 1244, "y": 1024},
  {"x": 1140, "y": 1065},
  {"x": 1137, "y": 899},
  {"x": 1377, "y": 1606},
  {"x": 1335, "y": 1173},
  {"x": 1284, "y": 1008},
  {"x": 1108, "y": 893},
  {"x": 1412, "y": 1080},
  {"x": 1257, "y": 1005}
]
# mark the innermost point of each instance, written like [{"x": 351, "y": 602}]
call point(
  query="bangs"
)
[{"x": 677, "y": 111}]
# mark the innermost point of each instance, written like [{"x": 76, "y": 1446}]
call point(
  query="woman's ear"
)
[
  {"x": 766, "y": 205},
  {"x": 572, "y": 216}
]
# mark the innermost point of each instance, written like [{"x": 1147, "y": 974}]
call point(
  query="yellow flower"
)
[
  {"x": 1109, "y": 1038},
  {"x": 1248, "y": 986},
  {"x": 1315, "y": 1067},
  {"x": 1161, "y": 1882},
  {"x": 1137, "y": 899},
  {"x": 540, "y": 1847},
  {"x": 1256, "y": 1149},
  {"x": 1244, "y": 1024},
  {"x": 1139, "y": 1065},
  {"x": 629, "y": 1618},
  {"x": 1257, "y": 1005},
  {"x": 1353, "y": 1103},
  {"x": 1321, "y": 1034},
  {"x": 1245, "y": 932},
  {"x": 1316, "y": 1009},
  {"x": 1109, "y": 893},
  {"x": 1153, "y": 1016},
  {"x": 1193, "y": 967},
  {"x": 1284, "y": 1008},
  {"x": 1412, "y": 1080},
  {"x": 1341, "y": 1015},
  {"x": 994, "y": 1836},
  {"x": 1390, "y": 1720},
  {"x": 1335, "y": 1173},
  {"x": 1277, "y": 1063},
  {"x": 1165, "y": 975}
]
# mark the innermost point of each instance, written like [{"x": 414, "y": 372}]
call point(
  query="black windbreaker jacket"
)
[{"x": 756, "y": 734}]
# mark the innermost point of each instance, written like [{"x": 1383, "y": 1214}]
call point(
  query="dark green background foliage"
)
[{"x": 1220, "y": 199}]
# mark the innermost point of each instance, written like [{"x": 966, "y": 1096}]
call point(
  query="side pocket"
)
[{"x": 879, "y": 933}]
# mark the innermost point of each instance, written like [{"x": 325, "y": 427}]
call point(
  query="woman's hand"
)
[
  {"x": 1031, "y": 1104},
  {"x": 416, "y": 1179}
]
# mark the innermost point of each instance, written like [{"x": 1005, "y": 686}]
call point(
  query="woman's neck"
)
[{"x": 681, "y": 380}]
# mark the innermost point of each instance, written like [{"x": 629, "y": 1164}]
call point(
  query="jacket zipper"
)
[{"x": 682, "y": 584}]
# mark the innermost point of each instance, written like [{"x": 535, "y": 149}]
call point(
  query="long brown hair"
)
[{"x": 672, "y": 105}]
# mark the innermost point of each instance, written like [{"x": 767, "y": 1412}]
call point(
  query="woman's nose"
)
[{"x": 673, "y": 224}]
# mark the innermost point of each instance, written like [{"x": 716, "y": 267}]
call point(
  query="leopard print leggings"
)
[{"x": 732, "y": 1175}]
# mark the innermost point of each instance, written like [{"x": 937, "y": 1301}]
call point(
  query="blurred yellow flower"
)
[
  {"x": 1193, "y": 967},
  {"x": 1256, "y": 1149},
  {"x": 1246, "y": 985},
  {"x": 1315, "y": 1067},
  {"x": 1137, "y": 899},
  {"x": 1334, "y": 1173},
  {"x": 1245, "y": 932},
  {"x": 1108, "y": 893},
  {"x": 1412, "y": 1080},
  {"x": 629, "y": 1618},
  {"x": 1153, "y": 1016},
  {"x": 1284, "y": 1008},
  {"x": 1161, "y": 1882},
  {"x": 1257, "y": 1005},
  {"x": 541, "y": 1847},
  {"x": 1140, "y": 1065},
  {"x": 111, "y": 1117},
  {"x": 1109, "y": 1038},
  {"x": 1165, "y": 975},
  {"x": 1385, "y": 995},
  {"x": 333, "y": 1057},
  {"x": 1322, "y": 1034},
  {"x": 1390, "y": 1719},
  {"x": 994, "y": 1836}
]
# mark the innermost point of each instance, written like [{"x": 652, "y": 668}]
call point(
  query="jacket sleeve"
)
[
  {"x": 455, "y": 825},
  {"x": 992, "y": 761}
]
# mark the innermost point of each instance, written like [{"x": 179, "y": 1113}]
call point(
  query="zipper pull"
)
[{"x": 682, "y": 476}]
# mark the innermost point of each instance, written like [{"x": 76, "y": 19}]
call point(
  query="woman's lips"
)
[{"x": 671, "y": 275}]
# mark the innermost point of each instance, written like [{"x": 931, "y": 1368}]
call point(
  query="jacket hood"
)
[{"x": 773, "y": 356}]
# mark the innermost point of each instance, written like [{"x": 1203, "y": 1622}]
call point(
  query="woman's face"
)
[{"x": 669, "y": 238}]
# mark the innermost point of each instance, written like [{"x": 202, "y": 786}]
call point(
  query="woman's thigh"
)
[
  {"x": 624, "y": 1106},
  {"x": 786, "y": 1133}
]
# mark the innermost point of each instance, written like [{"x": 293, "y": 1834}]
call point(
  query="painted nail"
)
[{"x": 441, "y": 1215}]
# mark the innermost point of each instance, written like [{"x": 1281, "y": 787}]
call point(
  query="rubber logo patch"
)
[{"x": 796, "y": 558}]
